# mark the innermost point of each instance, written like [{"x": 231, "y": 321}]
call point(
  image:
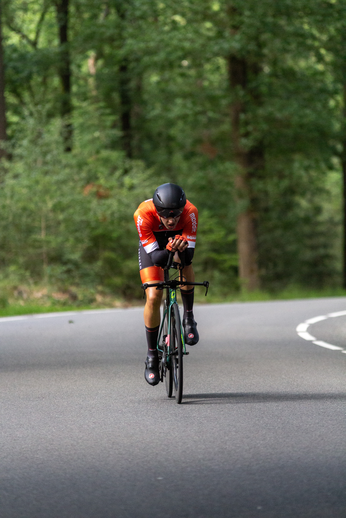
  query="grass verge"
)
[
  {"x": 28, "y": 300},
  {"x": 33, "y": 300}
]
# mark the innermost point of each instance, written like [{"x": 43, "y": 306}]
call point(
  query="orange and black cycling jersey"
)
[{"x": 153, "y": 234}]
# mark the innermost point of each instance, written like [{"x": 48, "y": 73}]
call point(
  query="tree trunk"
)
[
  {"x": 343, "y": 165},
  {"x": 248, "y": 162},
  {"x": 3, "y": 123},
  {"x": 125, "y": 107},
  {"x": 125, "y": 90},
  {"x": 62, "y": 7}
]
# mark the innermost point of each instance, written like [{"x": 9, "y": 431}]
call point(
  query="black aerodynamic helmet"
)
[{"x": 169, "y": 200}]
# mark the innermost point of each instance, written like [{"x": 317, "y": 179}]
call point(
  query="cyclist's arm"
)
[
  {"x": 159, "y": 257},
  {"x": 187, "y": 256},
  {"x": 146, "y": 235},
  {"x": 190, "y": 234}
]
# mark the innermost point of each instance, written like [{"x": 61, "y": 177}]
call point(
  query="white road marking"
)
[
  {"x": 11, "y": 319},
  {"x": 54, "y": 315},
  {"x": 337, "y": 314},
  {"x": 328, "y": 346},
  {"x": 303, "y": 327},
  {"x": 307, "y": 336},
  {"x": 315, "y": 319}
]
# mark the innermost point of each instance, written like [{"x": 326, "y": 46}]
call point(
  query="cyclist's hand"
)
[{"x": 177, "y": 244}]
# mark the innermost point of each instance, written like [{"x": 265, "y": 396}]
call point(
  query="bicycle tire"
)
[
  {"x": 167, "y": 370},
  {"x": 177, "y": 353}
]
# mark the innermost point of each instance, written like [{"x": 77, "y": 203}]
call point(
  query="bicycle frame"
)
[
  {"x": 171, "y": 286},
  {"x": 171, "y": 299}
]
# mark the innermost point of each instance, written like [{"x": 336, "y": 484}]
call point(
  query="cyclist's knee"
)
[
  {"x": 188, "y": 274},
  {"x": 154, "y": 297}
]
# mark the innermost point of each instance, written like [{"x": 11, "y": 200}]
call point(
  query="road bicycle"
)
[{"x": 171, "y": 344}]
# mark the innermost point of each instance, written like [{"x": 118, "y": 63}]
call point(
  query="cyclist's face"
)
[{"x": 170, "y": 223}]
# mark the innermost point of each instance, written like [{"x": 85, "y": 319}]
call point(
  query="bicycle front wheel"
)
[
  {"x": 166, "y": 363},
  {"x": 177, "y": 353}
]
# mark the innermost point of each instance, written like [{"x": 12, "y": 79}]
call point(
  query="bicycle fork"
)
[{"x": 173, "y": 300}]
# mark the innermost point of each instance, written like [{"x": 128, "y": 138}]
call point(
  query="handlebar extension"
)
[{"x": 174, "y": 283}]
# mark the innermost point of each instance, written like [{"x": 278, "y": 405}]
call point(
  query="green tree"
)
[
  {"x": 240, "y": 102},
  {"x": 64, "y": 67},
  {"x": 3, "y": 119}
]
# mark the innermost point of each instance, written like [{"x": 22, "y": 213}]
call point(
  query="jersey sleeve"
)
[
  {"x": 146, "y": 235},
  {"x": 190, "y": 226}
]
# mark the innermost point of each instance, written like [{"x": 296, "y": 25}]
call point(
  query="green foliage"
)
[{"x": 67, "y": 217}]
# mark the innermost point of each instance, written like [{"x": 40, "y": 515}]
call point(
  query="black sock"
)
[
  {"x": 152, "y": 334},
  {"x": 187, "y": 297}
]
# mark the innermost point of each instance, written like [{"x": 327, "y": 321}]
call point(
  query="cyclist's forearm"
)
[
  {"x": 189, "y": 252},
  {"x": 159, "y": 257}
]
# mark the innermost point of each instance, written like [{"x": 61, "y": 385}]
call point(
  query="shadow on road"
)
[{"x": 256, "y": 397}]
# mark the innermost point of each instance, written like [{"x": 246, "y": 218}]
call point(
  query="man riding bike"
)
[{"x": 167, "y": 222}]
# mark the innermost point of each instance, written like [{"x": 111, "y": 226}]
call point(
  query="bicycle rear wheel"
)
[{"x": 177, "y": 353}]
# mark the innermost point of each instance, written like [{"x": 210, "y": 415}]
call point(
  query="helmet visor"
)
[{"x": 169, "y": 213}]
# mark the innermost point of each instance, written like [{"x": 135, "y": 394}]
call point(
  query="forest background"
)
[{"x": 242, "y": 103}]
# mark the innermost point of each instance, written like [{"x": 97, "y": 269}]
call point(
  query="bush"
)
[{"x": 67, "y": 217}]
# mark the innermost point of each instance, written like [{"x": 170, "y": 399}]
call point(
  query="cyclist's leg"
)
[
  {"x": 187, "y": 295},
  {"x": 153, "y": 296},
  {"x": 152, "y": 319},
  {"x": 152, "y": 307},
  {"x": 152, "y": 324},
  {"x": 187, "y": 292},
  {"x": 150, "y": 273}
]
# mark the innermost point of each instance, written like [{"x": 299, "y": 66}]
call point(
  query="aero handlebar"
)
[{"x": 173, "y": 283}]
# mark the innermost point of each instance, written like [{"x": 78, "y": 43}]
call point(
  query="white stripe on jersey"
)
[
  {"x": 151, "y": 247},
  {"x": 191, "y": 244}
]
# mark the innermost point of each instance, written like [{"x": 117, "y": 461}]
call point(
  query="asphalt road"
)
[{"x": 260, "y": 433}]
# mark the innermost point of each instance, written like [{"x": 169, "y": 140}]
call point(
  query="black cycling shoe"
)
[
  {"x": 151, "y": 373},
  {"x": 191, "y": 335}
]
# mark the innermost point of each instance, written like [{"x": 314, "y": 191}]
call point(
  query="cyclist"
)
[{"x": 167, "y": 222}]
